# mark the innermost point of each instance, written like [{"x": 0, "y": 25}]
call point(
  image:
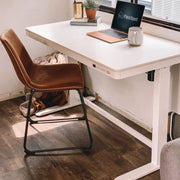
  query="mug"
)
[{"x": 135, "y": 36}]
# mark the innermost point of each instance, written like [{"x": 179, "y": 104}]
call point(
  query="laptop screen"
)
[{"x": 127, "y": 15}]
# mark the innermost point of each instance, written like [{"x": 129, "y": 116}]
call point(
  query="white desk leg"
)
[
  {"x": 160, "y": 112},
  {"x": 160, "y": 121}
]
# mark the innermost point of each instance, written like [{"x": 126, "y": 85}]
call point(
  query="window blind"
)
[{"x": 167, "y": 9}]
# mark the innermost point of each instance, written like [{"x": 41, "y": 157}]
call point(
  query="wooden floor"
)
[{"x": 114, "y": 152}]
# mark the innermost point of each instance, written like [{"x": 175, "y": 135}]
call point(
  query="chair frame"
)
[
  {"x": 22, "y": 64},
  {"x": 30, "y": 121}
]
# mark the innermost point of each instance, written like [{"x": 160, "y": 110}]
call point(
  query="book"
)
[{"x": 85, "y": 21}]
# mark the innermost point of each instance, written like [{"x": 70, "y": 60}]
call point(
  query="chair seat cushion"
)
[{"x": 56, "y": 77}]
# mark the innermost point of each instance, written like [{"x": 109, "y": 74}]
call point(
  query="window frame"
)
[{"x": 146, "y": 19}]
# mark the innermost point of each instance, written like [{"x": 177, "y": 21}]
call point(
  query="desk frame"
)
[
  {"x": 160, "y": 121},
  {"x": 160, "y": 101}
]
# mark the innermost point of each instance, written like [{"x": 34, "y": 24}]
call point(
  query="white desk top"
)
[{"x": 117, "y": 60}]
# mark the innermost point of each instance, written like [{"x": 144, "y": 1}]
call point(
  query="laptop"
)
[{"x": 126, "y": 15}]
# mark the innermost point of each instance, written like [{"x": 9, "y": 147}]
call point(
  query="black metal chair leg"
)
[
  {"x": 86, "y": 119},
  {"x": 30, "y": 121},
  {"x": 27, "y": 123}
]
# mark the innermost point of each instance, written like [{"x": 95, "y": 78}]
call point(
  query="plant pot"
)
[{"x": 91, "y": 13}]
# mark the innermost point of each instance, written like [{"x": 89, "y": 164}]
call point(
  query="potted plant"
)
[{"x": 91, "y": 7}]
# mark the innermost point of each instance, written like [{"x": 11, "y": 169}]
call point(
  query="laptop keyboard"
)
[{"x": 114, "y": 33}]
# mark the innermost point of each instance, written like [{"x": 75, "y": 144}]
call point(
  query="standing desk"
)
[{"x": 120, "y": 61}]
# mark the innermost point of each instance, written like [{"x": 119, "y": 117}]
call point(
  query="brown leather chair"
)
[{"x": 44, "y": 78}]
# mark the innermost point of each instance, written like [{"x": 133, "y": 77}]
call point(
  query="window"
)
[
  {"x": 164, "y": 13},
  {"x": 147, "y": 4},
  {"x": 167, "y": 9},
  {"x": 112, "y": 3}
]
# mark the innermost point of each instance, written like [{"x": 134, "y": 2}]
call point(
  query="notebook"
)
[{"x": 126, "y": 15}]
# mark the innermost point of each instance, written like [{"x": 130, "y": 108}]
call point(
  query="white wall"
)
[{"x": 18, "y": 14}]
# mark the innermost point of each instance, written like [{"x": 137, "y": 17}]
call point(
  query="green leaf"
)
[{"x": 91, "y": 4}]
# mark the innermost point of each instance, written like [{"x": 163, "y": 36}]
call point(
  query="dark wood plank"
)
[{"x": 114, "y": 151}]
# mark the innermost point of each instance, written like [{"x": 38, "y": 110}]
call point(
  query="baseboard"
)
[
  {"x": 11, "y": 95},
  {"x": 126, "y": 113}
]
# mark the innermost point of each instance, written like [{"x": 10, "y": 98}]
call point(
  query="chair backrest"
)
[{"x": 20, "y": 58}]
